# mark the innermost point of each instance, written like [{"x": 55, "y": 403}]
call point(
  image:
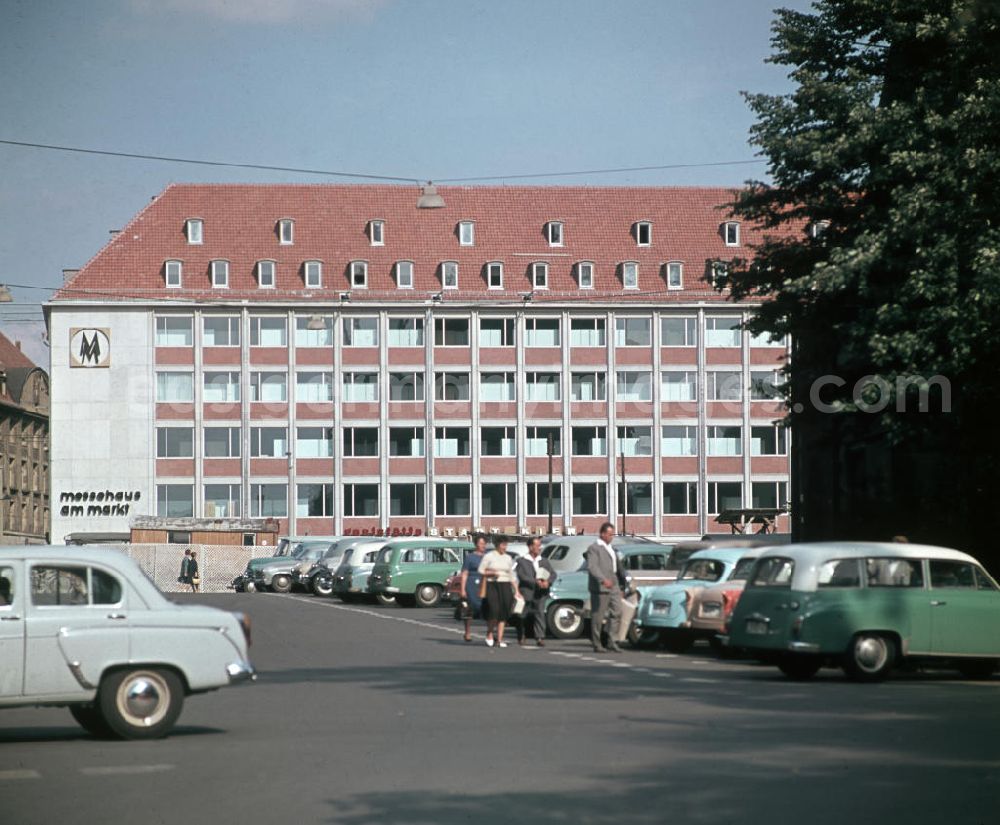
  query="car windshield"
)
[
  {"x": 708, "y": 570},
  {"x": 742, "y": 570},
  {"x": 773, "y": 572},
  {"x": 383, "y": 555}
]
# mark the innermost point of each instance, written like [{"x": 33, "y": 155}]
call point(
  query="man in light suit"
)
[
  {"x": 535, "y": 576},
  {"x": 605, "y": 593}
]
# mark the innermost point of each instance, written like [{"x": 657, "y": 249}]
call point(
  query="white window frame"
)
[
  {"x": 588, "y": 267},
  {"x": 532, "y": 385},
  {"x": 637, "y": 228},
  {"x": 410, "y": 339},
  {"x": 404, "y": 268},
  {"x": 349, "y": 330},
  {"x": 621, "y": 330},
  {"x": 594, "y": 374},
  {"x": 178, "y": 271},
  {"x": 161, "y": 330},
  {"x": 619, "y": 390},
  {"x": 232, "y": 323},
  {"x": 735, "y": 226},
  {"x": 489, "y": 274},
  {"x": 596, "y": 321},
  {"x": 194, "y": 231},
  {"x": 531, "y": 326},
  {"x": 348, "y": 380},
  {"x": 626, "y": 266},
  {"x": 318, "y": 267},
  {"x": 263, "y": 379},
  {"x": 286, "y": 231},
  {"x": 506, "y": 322},
  {"x": 447, "y": 266},
  {"x": 216, "y": 262},
  {"x": 362, "y": 267},
  {"x": 376, "y": 232},
  {"x": 540, "y": 268},
  {"x": 555, "y": 233},
  {"x": 262, "y": 266},
  {"x": 669, "y": 268},
  {"x": 463, "y": 239},
  {"x": 259, "y": 325}
]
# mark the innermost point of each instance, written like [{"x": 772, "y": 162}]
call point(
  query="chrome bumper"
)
[
  {"x": 803, "y": 647},
  {"x": 240, "y": 672}
]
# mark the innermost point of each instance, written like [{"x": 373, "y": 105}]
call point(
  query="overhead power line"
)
[{"x": 368, "y": 176}]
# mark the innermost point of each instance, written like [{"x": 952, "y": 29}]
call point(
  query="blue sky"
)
[{"x": 415, "y": 88}]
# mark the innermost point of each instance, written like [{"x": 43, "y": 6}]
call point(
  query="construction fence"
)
[{"x": 218, "y": 564}]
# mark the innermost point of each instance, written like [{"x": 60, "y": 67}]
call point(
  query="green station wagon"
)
[
  {"x": 868, "y": 607},
  {"x": 414, "y": 571}
]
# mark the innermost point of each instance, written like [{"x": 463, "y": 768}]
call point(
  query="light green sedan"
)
[{"x": 869, "y": 607}]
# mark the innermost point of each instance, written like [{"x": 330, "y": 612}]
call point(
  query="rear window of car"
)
[
  {"x": 67, "y": 586},
  {"x": 555, "y": 552},
  {"x": 742, "y": 570},
  {"x": 384, "y": 555},
  {"x": 890, "y": 572},
  {"x": 775, "y": 571},
  {"x": 839, "y": 573},
  {"x": 708, "y": 570}
]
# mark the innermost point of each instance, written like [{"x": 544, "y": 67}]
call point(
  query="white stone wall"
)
[{"x": 101, "y": 424}]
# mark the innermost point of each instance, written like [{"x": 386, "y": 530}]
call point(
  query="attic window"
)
[
  {"x": 817, "y": 228},
  {"x": 554, "y": 232},
  {"x": 359, "y": 274},
  {"x": 643, "y": 233},
  {"x": 466, "y": 233},
  {"x": 404, "y": 274},
  {"x": 173, "y": 274},
  {"x": 494, "y": 275},
  {"x": 449, "y": 275},
  {"x": 630, "y": 275},
  {"x": 286, "y": 231},
  {"x": 731, "y": 233},
  {"x": 220, "y": 274},
  {"x": 193, "y": 229},
  {"x": 313, "y": 273},
  {"x": 540, "y": 275},
  {"x": 376, "y": 232},
  {"x": 265, "y": 274},
  {"x": 585, "y": 274}
]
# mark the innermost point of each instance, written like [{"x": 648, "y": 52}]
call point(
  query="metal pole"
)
[
  {"x": 624, "y": 492},
  {"x": 550, "y": 482}
]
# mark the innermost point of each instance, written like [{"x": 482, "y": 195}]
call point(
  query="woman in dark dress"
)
[
  {"x": 497, "y": 567},
  {"x": 470, "y": 585},
  {"x": 193, "y": 577}
]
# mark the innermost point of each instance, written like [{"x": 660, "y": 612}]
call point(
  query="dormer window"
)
[
  {"x": 554, "y": 232},
  {"x": 675, "y": 274},
  {"x": 193, "y": 229},
  {"x": 173, "y": 273},
  {"x": 466, "y": 233},
  {"x": 630, "y": 275},
  {"x": 731, "y": 233},
  {"x": 540, "y": 275},
  {"x": 359, "y": 275},
  {"x": 265, "y": 274},
  {"x": 286, "y": 231},
  {"x": 494, "y": 275},
  {"x": 404, "y": 274},
  {"x": 817, "y": 228},
  {"x": 449, "y": 275},
  {"x": 643, "y": 233},
  {"x": 376, "y": 232},
  {"x": 220, "y": 274},
  {"x": 719, "y": 274},
  {"x": 312, "y": 272},
  {"x": 585, "y": 274}
]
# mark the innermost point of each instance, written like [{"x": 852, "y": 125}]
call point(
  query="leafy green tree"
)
[{"x": 882, "y": 254}]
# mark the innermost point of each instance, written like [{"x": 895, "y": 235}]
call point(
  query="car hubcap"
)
[
  {"x": 871, "y": 653},
  {"x": 427, "y": 594},
  {"x": 567, "y": 619},
  {"x": 143, "y": 699}
]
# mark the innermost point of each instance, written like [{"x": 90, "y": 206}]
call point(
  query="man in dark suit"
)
[
  {"x": 605, "y": 592},
  {"x": 535, "y": 576}
]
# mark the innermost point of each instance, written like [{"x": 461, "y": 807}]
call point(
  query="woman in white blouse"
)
[{"x": 497, "y": 567}]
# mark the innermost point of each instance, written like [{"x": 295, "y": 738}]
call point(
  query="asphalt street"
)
[{"x": 379, "y": 714}]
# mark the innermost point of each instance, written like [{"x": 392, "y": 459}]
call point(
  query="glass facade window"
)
[
  {"x": 220, "y": 331},
  {"x": 536, "y": 441},
  {"x": 268, "y": 331},
  {"x": 635, "y": 441},
  {"x": 496, "y": 332},
  {"x": 679, "y": 440},
  {"x": 724, "y": 385},
  {"x": 174, "y": 330},
  {"x": 679, "y": 332},
  {"x": 175, "y": 500},
  {"x": 175, "y": 387},
  {"x": 769, "y": 494},
  {"x": 306, "y": 337},
  {"x": 222, "y": 442},
  {"x": 406, "y": 386},
  {"x": 538, "y": 498},
  {"x": 361, "y": 332},
  {"x": 174, "y": 442},
  {"x": 360, "y": 442},
  {"x": 587, "y": 332},
  {"x": 361, "y": 500},
  {"x": 679, "y": 385},
  {"x": 589, "y": 386},
  {"x": 451, "y": 442},
  {"x": 314, "y": 500},
  {"x": 724, "y": 495},
  {"x": 680, "y": 498},
  {"x": 452, "y": 499},
  {"x": 723, "y": 331},
  {"x": 764, "y": 385},
  {"x": 498, "y": 441},
  {"x": 768, "y": 440},
  {"x": 406, "y": 441},
  {"x": 590, "y": 441},
  {"x": 635, "y": 498},
  {"x": 314, "y": 442},
  {"x": 542, "y": 386},
  {"x": 406, "y": 499},
  {"x": 633, "y": 332},
  {"x": 269, "y": 387},
  {"x": 451, "y": 332},
  {"x": 221, "y": 388},
  {"x": 635, "y": 386},
  {"x": 497, "y": 387},
  {"x": 360, "y": 387},
  {"x": 590, "y": 498},
  {"x": 223, "y": 501},
  {"x": 451, "y": 386},
  {"x": 541, "y": 332},
  {"x": 499, "y": 498},
  {"x": 725, "y": 440},
  {"x": 268, "y": 442},
  {"x": 406, "y": 332},
  {"x": 268, "y": 501},
  {"x": 313, "y": 387}
]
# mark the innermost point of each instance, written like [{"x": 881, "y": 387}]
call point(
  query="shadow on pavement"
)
[{"x": 71, "y": 733}]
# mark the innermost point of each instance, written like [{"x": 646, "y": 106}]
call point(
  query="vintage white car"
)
[{"x": 85, "y": 628}]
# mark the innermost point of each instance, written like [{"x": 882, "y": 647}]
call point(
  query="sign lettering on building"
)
[
  {"x": 103, "y": 504},
  {"x": 90, "y": 347}
]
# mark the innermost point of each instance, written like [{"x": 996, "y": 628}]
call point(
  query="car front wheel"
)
[
  {"x": 281, "y": 584},
  {"x": 90, "y": 719},
  {"x": 428, "y": 595},
  {"x": 142, "y": 703},
  {"x": 565, "y": 620},
  {"x": 870, "y": 657},
  {"x": 322, "y": 586}
]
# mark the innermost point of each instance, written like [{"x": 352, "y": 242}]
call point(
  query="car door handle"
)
[
  {"x": 116, "y": 616},
  {"x": 936, "y": 603},
  {"x": 10, "y": 618}
]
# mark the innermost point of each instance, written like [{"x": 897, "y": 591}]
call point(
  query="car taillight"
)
[{"x": 244, "y": 620}]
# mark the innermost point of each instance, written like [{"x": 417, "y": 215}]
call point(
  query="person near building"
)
[
  {"x": 183, "y": 578},
  {"x": 497, "y": 567},
  {"x": 471, "y": 580},
  {"x": 605, "y": 591},
  {"x": 535, "y": 575},
  {"x": 194, "y": 577}
]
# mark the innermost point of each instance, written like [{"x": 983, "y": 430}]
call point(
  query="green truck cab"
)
[
  {"x": 868, "y": 607},
  {"x": 414, "y": 571}
]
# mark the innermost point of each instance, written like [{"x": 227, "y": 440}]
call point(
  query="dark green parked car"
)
[{"x": 414, "y": 571}]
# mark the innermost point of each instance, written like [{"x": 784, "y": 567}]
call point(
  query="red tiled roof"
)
[
  {"x": 331, "y": 226},
  {"x": 11, "y": 355}
]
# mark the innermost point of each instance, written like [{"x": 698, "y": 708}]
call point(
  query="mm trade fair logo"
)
[{"x": 90, "y": 347}]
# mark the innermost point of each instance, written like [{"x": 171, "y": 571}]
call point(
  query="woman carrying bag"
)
[{"x": 497, "y": 570}]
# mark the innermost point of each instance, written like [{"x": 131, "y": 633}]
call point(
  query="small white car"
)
[{"x": 85, "y": 628}]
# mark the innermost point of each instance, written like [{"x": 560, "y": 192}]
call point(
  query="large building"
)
[
  {"x": 348, "y": 358},
  {"x": 24, "y": 447}
]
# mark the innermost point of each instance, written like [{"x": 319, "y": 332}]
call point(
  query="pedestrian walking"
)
[
  {"x": 535, "y": 575},
  {"x": 185, "y": 564},
  {"x": 497, "y": 568},
  {"x": 194, "y": 578},
  {"x": 605, "y": 591},
  {"x": 471, "y": 582}
]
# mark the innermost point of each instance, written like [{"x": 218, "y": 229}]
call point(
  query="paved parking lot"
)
[{"x": 372, "y": 714}]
